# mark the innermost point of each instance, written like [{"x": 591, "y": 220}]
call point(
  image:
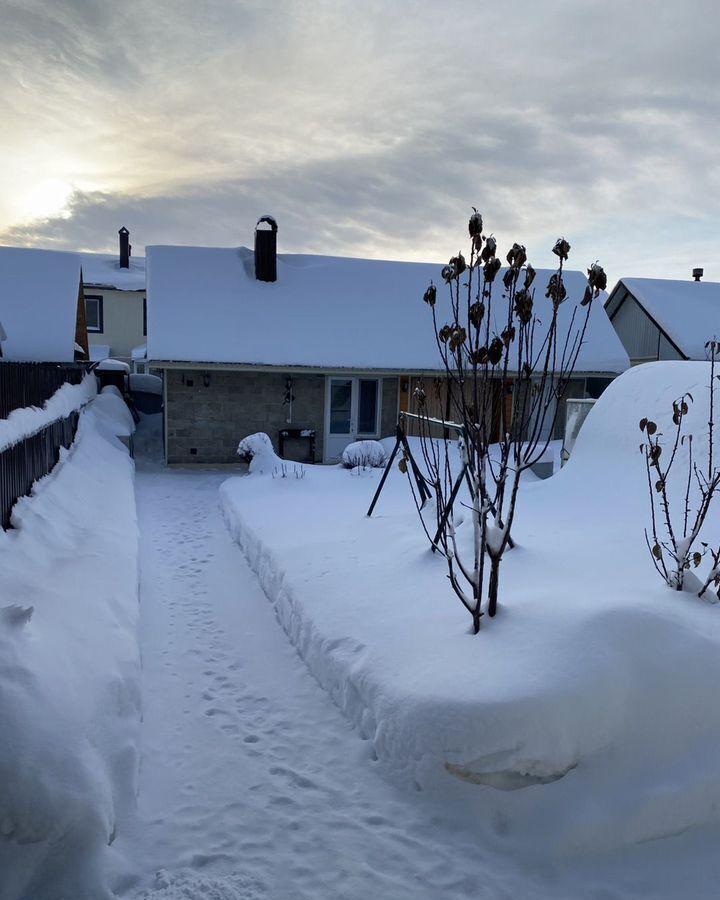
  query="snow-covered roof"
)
[
  {"x": 687, "y": 311},
  {"x": 102, "y": 270},
  {"x": 205, "y": 305},
  {"x": 38, "y": 303}
]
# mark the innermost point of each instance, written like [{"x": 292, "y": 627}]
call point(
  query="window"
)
[
  {"x": 94, "y": 312},
  {"x": 367, "y": 406}
]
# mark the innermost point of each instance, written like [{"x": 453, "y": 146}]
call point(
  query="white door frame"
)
[{"x": 353, "y": 435}]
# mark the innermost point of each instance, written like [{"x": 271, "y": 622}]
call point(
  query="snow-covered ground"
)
[
  {"x": 69, "y": 665},
  {"x": 585, "y": 711},
  {"x": 583, "y": 722}
]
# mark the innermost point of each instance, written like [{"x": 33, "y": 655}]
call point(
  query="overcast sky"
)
[{"x": 366, "y": 128}]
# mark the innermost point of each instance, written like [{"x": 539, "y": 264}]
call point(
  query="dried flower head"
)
[
  {"x": 517, "y": 256},
  {"x": 597, "y": 278},
  {"x": 475, "y": 225},
  {"x": 430, "y": 295},
  {"x": 529, "y": 276},
  {"x": 510, "y": 277},
  {"x": 495, "y": 351},
  {"x": 457, "y": 338},
  {"x": 491, "y": 268},
  {"x": 556, "y": 290},
  {"x": 447, "y": 274},
  {"x": 561, "y": 248},
  {"x": 476, "y": 314},
  {"x": 523, "y": 306},
  {"x": 489, "y": 250},
  {"x": 444, "y": 333}
]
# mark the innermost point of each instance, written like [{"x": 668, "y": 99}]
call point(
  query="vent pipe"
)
[
  {"x": 125, "y": 248},
  {"x": 266, "y": 249}
]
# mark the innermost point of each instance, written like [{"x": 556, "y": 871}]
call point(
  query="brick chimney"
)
[
  {"x": 125, "y": 248},
  {"x": 266, "y": 249}
]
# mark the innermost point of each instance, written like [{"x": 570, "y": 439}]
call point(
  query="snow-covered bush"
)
[
  {"x": 257, "y": 450},
  {"x": 691, "y": 473},
  {"x": 366, "y": 454},
  {"x": 495, "y": 335}
]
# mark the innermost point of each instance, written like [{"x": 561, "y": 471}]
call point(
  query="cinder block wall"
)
[{"x": 212, "y": 419}]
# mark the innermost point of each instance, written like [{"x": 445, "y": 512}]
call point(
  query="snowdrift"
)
[
  {"x": 69, "y": 666},
  {"x": 584, "y": 715}
]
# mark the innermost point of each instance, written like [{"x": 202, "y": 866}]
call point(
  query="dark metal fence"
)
[
  {"x": 31, "y": 384},
  {"x": 22, "y": 464}
]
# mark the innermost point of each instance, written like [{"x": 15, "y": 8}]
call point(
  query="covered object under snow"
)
[{"x": 39, "y": 305}]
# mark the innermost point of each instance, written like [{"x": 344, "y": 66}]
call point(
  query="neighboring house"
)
[
  {"x": 663, "y": 319},
  {"x": 41, "y": 306},
  {"x": 254, "y": 341},
  {"x": 115, "y": 304}
]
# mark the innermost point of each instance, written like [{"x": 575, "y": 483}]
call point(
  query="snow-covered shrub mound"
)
[
  {"x": 366, "y": 454},
  {"x": 257, "y": 449},
  {"x": 69, "y": 668}
]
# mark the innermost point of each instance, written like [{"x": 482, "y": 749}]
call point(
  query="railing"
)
[
  {"x": 31, "y": 384},
  {"x": 23, "y": 463}
]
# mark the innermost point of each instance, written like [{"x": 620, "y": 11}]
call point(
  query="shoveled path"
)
[{"x": 253, "y": 785}]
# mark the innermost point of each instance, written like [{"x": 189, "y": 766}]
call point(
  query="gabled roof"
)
[
  {"x": 38, "y": 303},
  {"x": 102, "y": 270},
  {"x": 205, "y": 306},
  {"x": 688, "y": 312}
]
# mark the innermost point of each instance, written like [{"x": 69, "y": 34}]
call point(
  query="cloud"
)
[{"x": 370, "y": 129}]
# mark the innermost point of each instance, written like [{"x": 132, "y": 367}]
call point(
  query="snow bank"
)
[
  {"x": 69, "y": 667},
  {"x": 585, "y": 715},
  {"x": 22, "y": 423},
  {"x": 257, "y": 450}
]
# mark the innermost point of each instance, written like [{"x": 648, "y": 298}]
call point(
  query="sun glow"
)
[{"x": 46, "y": 198}]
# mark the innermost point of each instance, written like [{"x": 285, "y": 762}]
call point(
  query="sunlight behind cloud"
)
[{"x": 45, "y": 198}]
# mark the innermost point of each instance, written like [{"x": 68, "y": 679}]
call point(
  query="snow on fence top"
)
[
  {"x": 205, "y": 305},
  {"x": 38, "y": 304},
  {"x": 24, "y": 422},
  {"x": 687, "y": 311},
  {"x": 103, "y": 270}
]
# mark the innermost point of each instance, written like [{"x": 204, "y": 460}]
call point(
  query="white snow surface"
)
[
  {"x": 69, "y": 669},
  {"x": 27, "y": 420},
  {"x": 584, "y": 717},
  {"x": 102, "y": 270},
  {"x": 205, "y": 305},
  {"x": 38, "y": 303},
  {"x": 688, "y": 311}
]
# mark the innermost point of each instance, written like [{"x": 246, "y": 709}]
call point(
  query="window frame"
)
[{"x": 101, "y": 324}]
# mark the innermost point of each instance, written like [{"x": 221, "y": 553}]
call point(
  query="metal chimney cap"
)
[
  {"x": 698, "y": 274},
  {"x": 123, "y": 230},
  {"x": 270, "y": 221}
]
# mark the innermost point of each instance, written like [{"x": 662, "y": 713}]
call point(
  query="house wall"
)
[
  {"x": 212, "y": 419},
  {"x": 641, "y": 337},
  {"x": 122, "y": 321}
]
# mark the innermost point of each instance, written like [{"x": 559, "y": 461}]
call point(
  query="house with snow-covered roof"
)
[
  {"x": 300, "y": 345},
  {"x": 657, "y": 318},
  {"x": 42, "y": 309},
  {"x": 115, "y": 304}
]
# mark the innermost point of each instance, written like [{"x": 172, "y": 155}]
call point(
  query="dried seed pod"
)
[
  {"x": 510, "y": 277},
  {"x": 479, "y": 356},
  {"x": 458, "y": 264},
  {"x": 489, "y": 249},
  {"x": 523, "y": 306},
  {"x": 597, "y": 278},
  {"x": 475, "y": 225},
  {"x": 477, "y": 313},
  {"x": 491, "y": 268},
  {"x": 517, "y": 256},
  {"x": 495, "y": 351},
  {"x": 444, "y": 333},
  {"x": 529, "y": 276},
  {"x": 447, "y": 274},
  {"x": 457, "y": 338},
  {"x": 508, "y": 335},
  {"x": 556, "y": 290},
  {"x": 430, "y": 295},
  {"x": 561, "y": 248}
]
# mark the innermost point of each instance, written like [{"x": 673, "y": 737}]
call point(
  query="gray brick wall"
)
[{"x": 211, "y": 419}]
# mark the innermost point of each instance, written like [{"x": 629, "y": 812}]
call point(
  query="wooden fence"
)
[
  {"x": 31, "y": 384},
  {"x": 23, "y": 463}
]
